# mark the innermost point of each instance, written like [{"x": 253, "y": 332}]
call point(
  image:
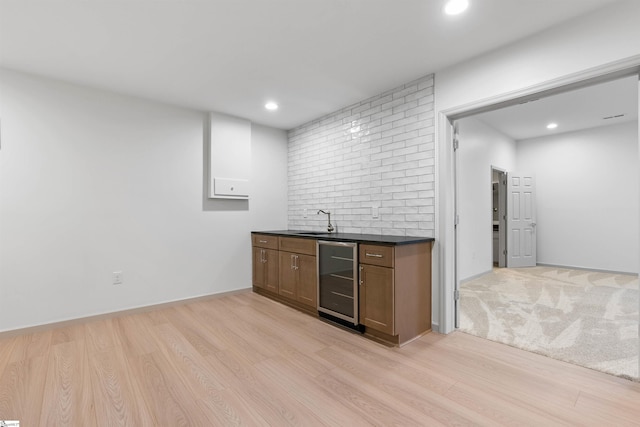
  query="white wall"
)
[
  {"x": 376, "y": 153},
  {"x": 591, "y": 41},
  {"x": 93, "y": 182},
  {"x": 600, "y": 37},
  {"x": 587, "y": 196},
  {"x": 481, "y": 147}
]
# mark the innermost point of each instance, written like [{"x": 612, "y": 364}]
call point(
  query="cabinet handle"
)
[
  {"x": 262, "y": 255},
  {"x": 373, "y": 255},
  {"x": 293, "y": 260},
  {"x": 262, "y": 241},
  {"x": 296, "y": 262}
]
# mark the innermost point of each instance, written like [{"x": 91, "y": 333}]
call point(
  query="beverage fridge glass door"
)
[{"x": 337, "y": 280}]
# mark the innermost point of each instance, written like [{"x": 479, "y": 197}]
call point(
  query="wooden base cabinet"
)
[
  {"x": 265, "y": 262},
  {"x": 288, "y": 277},
  {"x": 265, "y": 269},
  {"x": 395, "y": 283},
  {"x": 284, "y": 269},
  {"x": 395, "y": 291},
  {"x": 298, "y": 270},
  {"x": 298, "y": 278},
  {"x": 376, "y": 298}
]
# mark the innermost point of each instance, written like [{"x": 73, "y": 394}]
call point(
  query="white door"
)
[{"x": 521, "y": 220}]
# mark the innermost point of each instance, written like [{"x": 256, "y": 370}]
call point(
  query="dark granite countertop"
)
[{"x": 349, "y": 237}]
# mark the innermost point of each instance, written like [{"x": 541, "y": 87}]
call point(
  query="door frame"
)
[
  {"x": 445, "y": 250},
  {"x": 502, "y": 212}
]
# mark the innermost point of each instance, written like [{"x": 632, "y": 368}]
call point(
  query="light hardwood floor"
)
[{"x": 242, "y": 359}]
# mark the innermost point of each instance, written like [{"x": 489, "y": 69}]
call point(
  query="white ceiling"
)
[
  {"x": 593, "y": 106},
  {"x": 312, "y": 56}
]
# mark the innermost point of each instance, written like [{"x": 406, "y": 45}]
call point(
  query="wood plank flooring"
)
[{"x": 242, "y": 359}]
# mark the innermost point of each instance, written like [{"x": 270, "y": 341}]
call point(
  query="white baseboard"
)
[
  {"x": 475, "y": 276},
  {"x": 435, "y": 327},
  {"x": 597, "y": 270},
  {"x": 135, "y": 310}
]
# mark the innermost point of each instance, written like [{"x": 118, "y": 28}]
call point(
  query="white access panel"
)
[
  {"x": 236, "y": 188},
  {"x": 229, "y": 157}
]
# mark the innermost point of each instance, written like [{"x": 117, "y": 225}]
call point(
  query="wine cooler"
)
[{"x": 338, "y": 281}]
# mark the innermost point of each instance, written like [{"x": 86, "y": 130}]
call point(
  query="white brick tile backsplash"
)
[
  {"x": 407, "y": 166},
  {"x": 393, "y": 118},
  {"x": 375, "y": 153},
  {"x": 406, "y": 90},
  {"x": 408, "y": 105},
  {"x": 382, "y": 98}
]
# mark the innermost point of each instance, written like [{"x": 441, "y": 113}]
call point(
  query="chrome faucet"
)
[{"x": 329, "y": 226}]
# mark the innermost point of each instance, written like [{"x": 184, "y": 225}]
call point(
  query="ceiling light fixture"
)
[
  {"x": 552, "y": 125},
  {"x": 271, "y": 106},
  {"x": 456, "y": 7}
]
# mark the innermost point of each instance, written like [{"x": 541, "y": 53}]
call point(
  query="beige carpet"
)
[{"x": 583, "y": 317}]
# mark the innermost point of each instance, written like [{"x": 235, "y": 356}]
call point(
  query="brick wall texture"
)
[{"x": 376, "y": 154}]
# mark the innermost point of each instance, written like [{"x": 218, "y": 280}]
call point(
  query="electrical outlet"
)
[
  {"x": 118, "y": 278},
  {"x": 375, "y": 212},
  {"x": 304, "y": 213}
]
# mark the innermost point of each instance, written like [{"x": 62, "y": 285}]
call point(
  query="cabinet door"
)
[
  {"x": 377, "y": 298},
  {"x": 258, "y": 267},
  {"x": 271, "y": 278},
  {"x": 287, "y": 273},
  {"x": 307, "y": 280}
]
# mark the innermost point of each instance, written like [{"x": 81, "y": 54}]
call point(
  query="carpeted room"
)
[
  {"x": 579, "y": 316},
  {"x": 579, "y": 303}
]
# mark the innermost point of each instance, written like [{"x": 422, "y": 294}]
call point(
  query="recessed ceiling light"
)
[
  {"x": 456, "y": 7},
  {"x": 271, "y": 106},
  {"x": 552, "y": 125}
]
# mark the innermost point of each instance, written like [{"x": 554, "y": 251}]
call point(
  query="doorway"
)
[
  {"x": 447, "y": 245},
  {"x": 556, "y": 178}
]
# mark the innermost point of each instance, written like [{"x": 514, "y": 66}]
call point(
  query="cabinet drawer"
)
[
  {"x": 264, "y": 241},
  {"x": 376, "y": 255},
  {"x": 298, "y": 245}
]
